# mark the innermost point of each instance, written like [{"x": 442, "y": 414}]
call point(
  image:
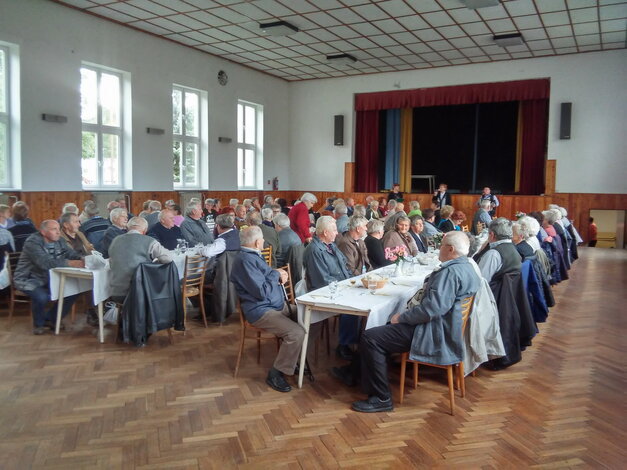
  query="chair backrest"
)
[
  {"x": 464, "y": 228},
  {"x": 267, "y": 254},
  {"x": 466, "y": 310},
  {"x": 289, "y": 286},
  {"x": 12, "y": 265},
  {"x": 195, "y": 268}
]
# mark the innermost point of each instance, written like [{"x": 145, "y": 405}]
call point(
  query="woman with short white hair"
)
[{"x": 374, "y": 245}]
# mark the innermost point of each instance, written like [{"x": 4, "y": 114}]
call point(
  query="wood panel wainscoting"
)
[{"x": 48, "y": 204}]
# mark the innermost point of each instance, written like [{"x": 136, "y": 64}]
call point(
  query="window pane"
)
[
  {"x": 250, "y": 125},
  {"x": 176, "y": 162},
  {"x": 177, "y": 111},
  {"x": 110, "y": 99},
  {"x": 3, "y": 153},
  {"x": 89, "y": 96},
  {"x": 240, "y": 123},
  {"x": 191, "y": 114},
  {"x": 3, "y": 82},
  {"x": 191, "y": 163},
  {"x": 240, "y": 168},
  {"x": 110, "y": 159},
  {"x": 249, "y": 168},
  {"x": 89, "y": 162}
]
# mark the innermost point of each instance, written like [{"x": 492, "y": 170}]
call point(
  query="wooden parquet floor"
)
[{"x": 68, "y": 402}]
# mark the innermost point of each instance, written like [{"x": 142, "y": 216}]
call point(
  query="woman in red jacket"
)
[{"x": 299, "y": 217}]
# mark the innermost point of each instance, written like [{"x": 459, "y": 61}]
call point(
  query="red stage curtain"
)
[
  {"x": 520, "y": 90},
  {"x": 534, "y": 135},
  {"x": 367, "y": 151}
]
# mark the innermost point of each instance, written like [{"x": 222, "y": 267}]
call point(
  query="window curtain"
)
[
  {"x": 407, "y": 125},
  {"x": 533, "y": 145},
  {"x": 366, "y": 151},
  {"x": 392, "y": 147}
]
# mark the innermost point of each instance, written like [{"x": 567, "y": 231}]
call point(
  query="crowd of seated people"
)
[{"x": 330, "y": 245}]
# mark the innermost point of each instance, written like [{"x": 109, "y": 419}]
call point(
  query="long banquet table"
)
[{"x": 355, "y": 299}]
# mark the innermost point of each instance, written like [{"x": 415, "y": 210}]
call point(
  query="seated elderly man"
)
[
  {"x": 165, "y": 232},
  {"x": 324, "y": 262},
  {"x": 152, "y": 214},
  {"x": 226, "y": 232},
  {"x": 287, "y": 237},
  {"x": 240, "y": 216},
  {"x": 499, "y": 256},
  {"x": 263, "y": 303},
  {"x": 341, "y": 215},
  {"x": 119, "y": 219},
  {"x": 73, "y": 236},
  {"x": 95, "y": 226},
  {"x": 130, "y": 250},
  {"x": 193, "y": 228},
  {"x": 429, "y": 223},
  {"x": 6, "y": 221},
  {"x": 416, "y": 227},
  {"x": 42, "y": 251},
  {"x": 351, "y": 243},
  {"x": 481, "y": 216},
  {"x": 431, "y": 330},
  {"x": 270, "y": 236}
]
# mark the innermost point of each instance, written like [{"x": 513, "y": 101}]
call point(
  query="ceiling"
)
[{"x": 384, "y": 36}]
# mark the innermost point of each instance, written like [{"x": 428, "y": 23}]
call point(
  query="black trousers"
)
[
  {"x": 376, "y": 344},
  {"x": 592, "y": 243}
]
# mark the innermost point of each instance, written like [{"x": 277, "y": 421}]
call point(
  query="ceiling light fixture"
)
[
  {"x": 278, "y": 28},
  {"x": 474, "y": 4},
  {"x": 508, "y": 40},
  {"x": 341, "y": 59}
]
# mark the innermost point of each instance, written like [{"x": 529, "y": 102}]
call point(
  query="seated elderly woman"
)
[
  {"x": 414, "y": 209},
  {"x": 400, "y": 237},
  {"x": 374, "y": 245},
  {"x": 458, "y": 218},
  {"x": 372, "y": 212},
  {"x": 524, "y": 236},
  {"x": 446, "y": 224}
]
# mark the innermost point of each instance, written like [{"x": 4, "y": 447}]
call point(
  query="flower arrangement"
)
[
  {"x": 437, "y": 239},
  {"x": 519, "y": 214},
  {"x": 396, "y": 254}
]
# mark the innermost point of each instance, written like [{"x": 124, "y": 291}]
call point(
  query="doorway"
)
[{"x": 610, "y": 228}]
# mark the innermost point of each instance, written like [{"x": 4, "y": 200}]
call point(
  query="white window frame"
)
[
  {"x": 257, "y": 147},
  {"x": 201, "y": 140},
  {"x": 11, "y": 117},
  {"x": 123, "y": 132}
]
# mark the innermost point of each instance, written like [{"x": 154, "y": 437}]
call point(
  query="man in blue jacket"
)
[
  {"x": 259, "y": 288},
  {"x": 431, "y": 331}
]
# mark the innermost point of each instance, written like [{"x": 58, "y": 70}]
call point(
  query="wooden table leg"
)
[
  {"x": 101, "y": 321},
  {"x": 303, "y": 353},
  {"x": 60, "y": 303}
]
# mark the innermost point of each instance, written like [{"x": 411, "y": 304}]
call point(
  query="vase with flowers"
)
[{"x": 397, "y": 256}]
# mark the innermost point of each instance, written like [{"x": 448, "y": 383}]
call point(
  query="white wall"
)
[
  {"x": 593, "y": 160},
  {"x": 54, "y": 40}
]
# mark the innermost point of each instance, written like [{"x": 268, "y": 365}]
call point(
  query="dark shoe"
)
[
  {"x": 307, "y": 372},
  {"x": 373, "y": 404},
  {"x": 40, "y": 330},
  {"x": 344, "y": 352},
  {"x": 53, "y": 325},
  {"x": 277, "y": 382},
  {"x": 344, "y": 375}
]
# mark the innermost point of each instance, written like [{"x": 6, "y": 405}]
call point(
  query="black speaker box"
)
[
  {"x": 565, "y": 114},
  {"x": 338, "y": 129}
]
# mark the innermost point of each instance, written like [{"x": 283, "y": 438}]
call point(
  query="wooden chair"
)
[
  {"x": 465, "y": 228},
  {"x": 258, "y": 332},
  {"x": 17, "y": 296},
  {"x": 466, "y": 309},
  {"x": 267, "y": 255},
  {"x": 193, "y": 284}
]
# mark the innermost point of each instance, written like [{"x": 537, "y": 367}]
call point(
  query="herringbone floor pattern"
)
[{"x": 68, "y": 402}]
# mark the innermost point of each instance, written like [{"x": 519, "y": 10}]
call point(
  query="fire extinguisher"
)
[{"x": 275, "y": 183}]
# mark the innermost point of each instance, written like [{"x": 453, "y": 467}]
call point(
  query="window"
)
[
  {"x": 5, "y": 121},
  {"x": 102, "y": 125},
  {"x": 186, "y": 132},
  {"x": 249, "y": 145}
]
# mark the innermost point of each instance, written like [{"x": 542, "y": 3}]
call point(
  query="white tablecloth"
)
[
  {"x": 73, "y": 285},
  {"x": 390, "y": 299}
]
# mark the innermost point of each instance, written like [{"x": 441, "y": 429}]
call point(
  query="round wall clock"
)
[{"x": 223, "y": 78}]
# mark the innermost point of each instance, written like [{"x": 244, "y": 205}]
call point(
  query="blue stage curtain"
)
[{"x": 392, "y": 147}]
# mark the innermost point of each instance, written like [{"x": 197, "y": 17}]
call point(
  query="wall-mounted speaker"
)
[
  {"x": 338, "y": 129},
  {"x": 565, "y": 116}
]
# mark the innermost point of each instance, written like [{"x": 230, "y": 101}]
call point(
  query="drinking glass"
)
[
  {"x": 333, "y": 289},
  {"x": 372, "y": 286}
]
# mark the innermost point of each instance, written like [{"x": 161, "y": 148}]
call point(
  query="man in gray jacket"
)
[
  {"x": 42, "y": 251},
  {"x": 431, "y": 331},
  {"x": 287, "y": 237},
  {"x": 193, "y": 228}
]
